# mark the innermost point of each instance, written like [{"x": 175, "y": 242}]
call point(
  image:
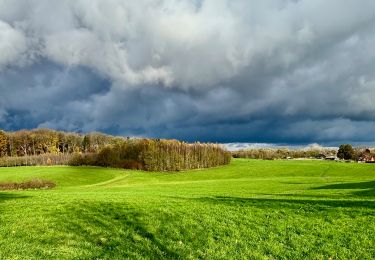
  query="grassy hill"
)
[{"x": 275, "y": 209}]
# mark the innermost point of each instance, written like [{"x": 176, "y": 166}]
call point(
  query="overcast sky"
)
[{"x": 275, "y": 71}]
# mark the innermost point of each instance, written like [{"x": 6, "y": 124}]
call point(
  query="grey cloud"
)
[{"x": 266, "y": 71}]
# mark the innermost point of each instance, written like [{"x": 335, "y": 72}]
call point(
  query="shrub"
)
[{"x": 49, "y": 162}]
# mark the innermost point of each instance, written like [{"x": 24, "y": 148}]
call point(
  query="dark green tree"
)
[{"x": 346, "y": 152}]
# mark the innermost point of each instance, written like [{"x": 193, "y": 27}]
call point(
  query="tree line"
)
[
  {"x": 282, "y": 153},
  {"x": 50, "y": 147},
  {"x": 344, "y": 152},
  {"x": 47, "y": 141}
]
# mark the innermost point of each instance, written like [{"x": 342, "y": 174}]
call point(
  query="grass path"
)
[{"x": 259, "y": 209}]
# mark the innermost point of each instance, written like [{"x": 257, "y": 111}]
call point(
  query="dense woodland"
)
[
  {"x": 46, "y": 141},
  {"x": 50, "y": 147}
]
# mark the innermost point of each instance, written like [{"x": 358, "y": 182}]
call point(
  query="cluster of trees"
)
[
  {"x": 347, "y": 152},
  {"x": 281, "y": 153},
  {"x": 156, "y": 155},
  {"x": 46, "y": 141},
  {"x": 50, "y": 147}
]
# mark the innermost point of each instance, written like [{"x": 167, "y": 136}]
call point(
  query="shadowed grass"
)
[
  {"x": 10, "y": 196},
  {"x": 361, "y": 188}
]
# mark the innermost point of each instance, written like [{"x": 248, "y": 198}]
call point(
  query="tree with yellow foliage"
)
[{"x": 3, "y": 144}]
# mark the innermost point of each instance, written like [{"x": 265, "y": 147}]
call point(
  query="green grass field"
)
[{"x": 250, "y": 208}]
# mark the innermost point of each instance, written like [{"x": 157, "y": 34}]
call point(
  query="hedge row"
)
[
  {"x": 33, "y": 160},
  {"x": 156, "y": 155}
]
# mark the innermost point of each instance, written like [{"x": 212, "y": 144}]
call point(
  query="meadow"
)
[{"x": 249, "y": 208}]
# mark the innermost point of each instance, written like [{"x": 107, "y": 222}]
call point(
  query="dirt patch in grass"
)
[{"x": 26, "y": 185}]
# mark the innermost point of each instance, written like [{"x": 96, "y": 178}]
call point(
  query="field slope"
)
[{"x": 250, "y": 208}]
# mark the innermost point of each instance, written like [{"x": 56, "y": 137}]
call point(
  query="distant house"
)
[
  {"x": 366, "y": 158},
  {"x": 331, "y": 158},
  {"x": 321, "y": 156}
]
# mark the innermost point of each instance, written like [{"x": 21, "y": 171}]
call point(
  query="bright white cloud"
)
[{"x": 12, "y": 45}]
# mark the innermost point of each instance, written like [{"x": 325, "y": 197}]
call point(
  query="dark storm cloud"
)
[
  {"x": 45, "y": 91},
  {"x": 267, "y": 71}
]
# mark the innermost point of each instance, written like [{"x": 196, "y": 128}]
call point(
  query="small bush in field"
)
[{"x": 32, "y": 184}]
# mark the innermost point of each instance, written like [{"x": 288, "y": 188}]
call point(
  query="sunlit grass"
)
[{"x": 275, "y": 209}]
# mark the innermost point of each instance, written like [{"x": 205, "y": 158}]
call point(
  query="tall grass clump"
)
[{"x": 26, "y": 185}]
